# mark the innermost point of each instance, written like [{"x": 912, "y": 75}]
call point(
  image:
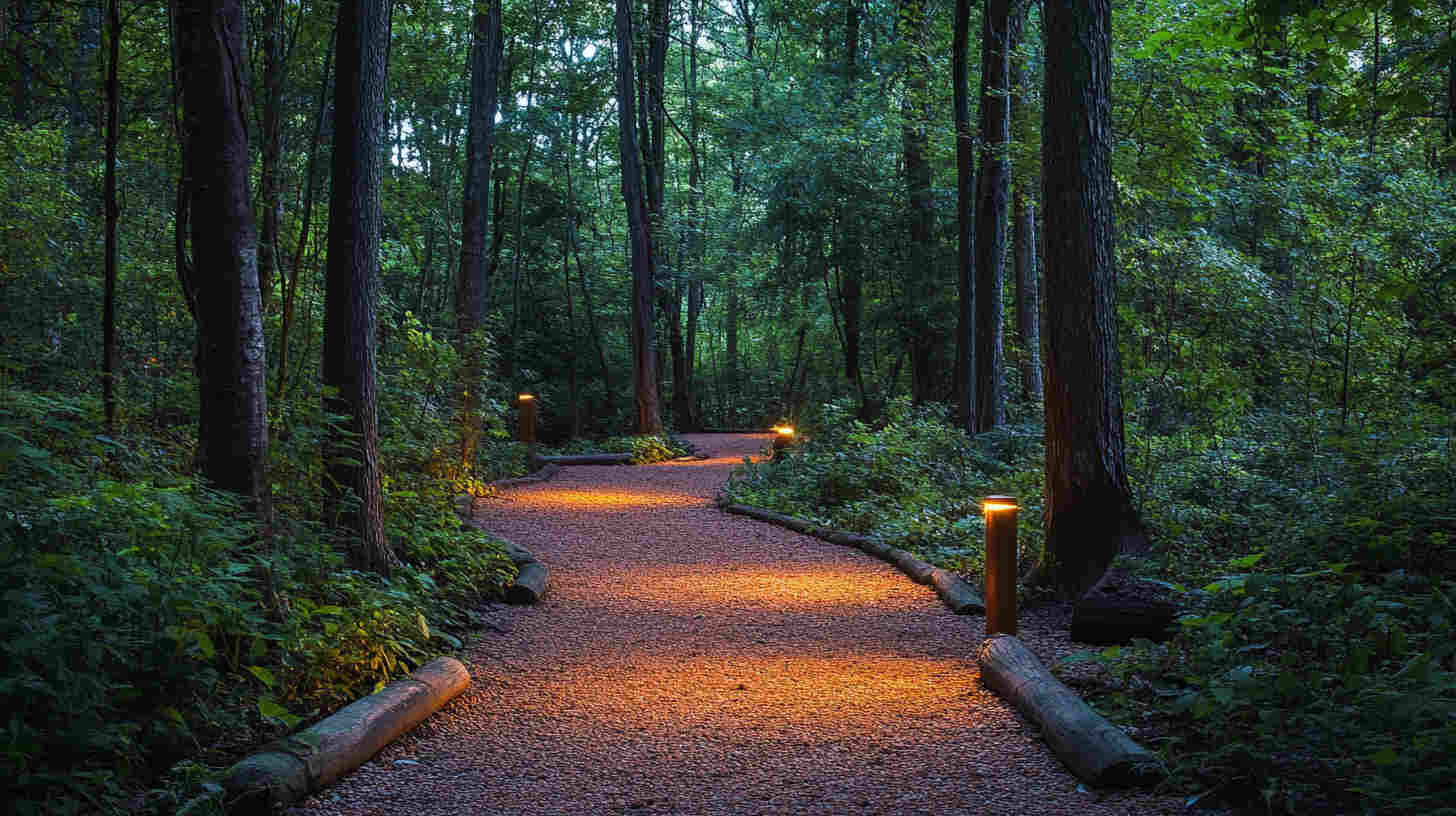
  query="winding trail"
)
[{"x": 687, "y": 661}]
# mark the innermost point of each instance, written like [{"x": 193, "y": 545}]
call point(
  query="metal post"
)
[
  {"x": 528, "y": 419},
  {"x": 1000, "y": 513}
]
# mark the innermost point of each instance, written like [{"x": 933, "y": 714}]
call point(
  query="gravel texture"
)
[{"x": 688, "y": 661}]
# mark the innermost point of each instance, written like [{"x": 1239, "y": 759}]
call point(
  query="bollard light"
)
[
  {"x": 783, "y": 436},
  {"x": 528, "y": 418},
  {"x": 1000, "y": 513}
]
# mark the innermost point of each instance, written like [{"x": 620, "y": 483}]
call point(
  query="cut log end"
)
[
  {"x": 1118, "y": 613},
  {"x": 530, "y": 583}
]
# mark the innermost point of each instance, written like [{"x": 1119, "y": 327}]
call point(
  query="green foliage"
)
[
  {"x": 914, "y": 481},
  {"x": 645, "y": 449},
  {"x": 145, "y": 616},
  {"x": 1315, "y": 670}
]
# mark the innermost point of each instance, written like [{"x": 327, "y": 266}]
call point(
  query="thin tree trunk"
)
[
  {"x": 471, "y": 284},
  {"x": 352, "y": 452},
  {"x": 992, "y": 199},
  {"x": 232, "y": 428},
  {"x": 1023, "y": 238},
  {"x": 280, "y": 389},
  {"x": 965, "y": 363},
  {"x": 644, "y": 358},
  {"x": 1090, "y": 515},
  {"x": 917, "y": 322},
  {"x": 113, "y": 213},
  {"x": 271, "y": 180}
]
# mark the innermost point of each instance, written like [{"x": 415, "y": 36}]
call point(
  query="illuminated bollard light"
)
[
  {"x": 1000, "y": 513},
  {"x": 528, "y": 419},
  {"x": 783, "y": 437}
]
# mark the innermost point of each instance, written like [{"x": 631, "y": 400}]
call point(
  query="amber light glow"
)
[
  {"x": 784, "y": 430},
  {"x": 991, "y": 507},
  {"x": 526, "y": 397}
]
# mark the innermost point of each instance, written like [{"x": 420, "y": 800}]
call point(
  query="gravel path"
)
[{"x": 687, "y": 661}]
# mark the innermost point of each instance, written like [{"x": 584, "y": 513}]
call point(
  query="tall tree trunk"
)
[
  {"x": 964, "y": 381},
  {"x": 851, "y": 256},
  {"x": 113, "y": 213},
  {"x": 1090, "y": 514},
  {"x": 1449, "y": 168},
  {"x": 352, "y": 452},
  {"x": 271, "y": 180},
  {"x": 992, "y": 199},
  {"x": 1023, "y": 237},
  {"x": 232, "y": 428},
  {"x": 917, "y": 322},
  {"x": 471, "y": 284},
  {"x": 290, "y": 292},
  {"x": 639, "y": 238}
]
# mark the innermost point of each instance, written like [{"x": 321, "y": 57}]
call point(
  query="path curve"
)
[{"x": 687, "y": 661}]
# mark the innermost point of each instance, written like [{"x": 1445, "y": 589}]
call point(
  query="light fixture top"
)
[{"x": 994, "y": 503}]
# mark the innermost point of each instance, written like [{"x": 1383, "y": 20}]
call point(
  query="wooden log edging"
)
[
  {"x": 587, "y": 459},
  {"x": 531, "y": 576},
  {"x": 954, "y": 592},
  {"x": 296, "y": 766},
  {"x": 1094, "y": 749}
]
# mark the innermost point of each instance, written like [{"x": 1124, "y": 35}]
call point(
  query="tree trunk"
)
[
  {"x": 917, "y": 322},
  {"x": 232, "y": 430},
  {"x": 644, "y": 356},
  {"x": 352, "y": 452},
  {"x": 992, "y": 198},
  {"x": 964, "y": 381},
  {"x": 271, "y": 180},
  {"x": 1090, "y": 515},
  {"x": 1023, "y": 238},
  {"x": 471, "y": 286},
  {"x": 290, "y": 292},
  {"x": 113, "y": 213}
]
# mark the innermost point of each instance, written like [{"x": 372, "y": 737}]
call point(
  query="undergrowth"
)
[
  {"x": 151, "y": 631},
  {"x": 1313, "y": 669}
]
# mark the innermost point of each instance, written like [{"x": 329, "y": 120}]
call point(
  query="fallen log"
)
[
  {"x": 957, "y": 595},
  {"x": 1096, "y": 750},
  {"x": 542, "y": 474},
  {"x": 1111, "y": 619},
  {"x": 294, "y": 767},
  {"x": 588, "y": 459}
]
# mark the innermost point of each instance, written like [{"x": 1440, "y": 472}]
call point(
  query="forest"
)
[{"x": 1181, "y": 277}]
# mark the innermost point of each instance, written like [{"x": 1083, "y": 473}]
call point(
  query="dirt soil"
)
[{"x": 688, "y": 661}]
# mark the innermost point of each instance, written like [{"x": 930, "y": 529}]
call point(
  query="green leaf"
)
[
  {"x": 271, "y": 710},
  {"x": 1385, "y": 756},
  {"x": 265, "y": 676},
  {"x": 424, "y": 625}
]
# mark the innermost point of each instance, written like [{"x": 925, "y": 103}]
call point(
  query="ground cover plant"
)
[
  {"x": 147, "y": 622},
  {"x": 1313, "y": 666}
]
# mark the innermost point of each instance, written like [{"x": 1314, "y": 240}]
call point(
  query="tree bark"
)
[
  {"x": 232, "y": 427},
  {"x": 644, "y": 356},
  {"x": 1023, "y": 236},
  {"x": 917, "y": 322},
  {"x": 1090, "y": 515},
  {"x": 290, "y": 292},
  {"x": 992, "y": 198},
  {"x": 271, "y": 180},
  {"x": 471, "y": 284},
  {"x": 1097, "y": 751},
  {"x": 113, "y": 213},
  {"x": 964, "y": 382},
  {"x": 352, "y": 452}
]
